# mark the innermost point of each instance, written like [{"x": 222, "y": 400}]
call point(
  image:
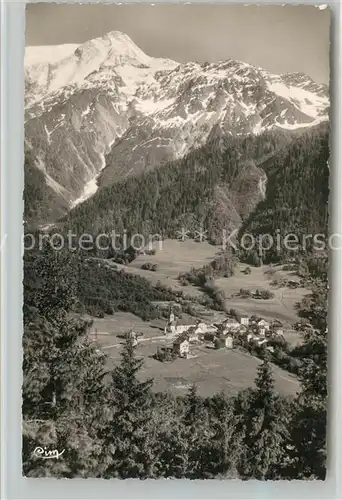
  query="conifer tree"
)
[
  {"x": 265, "y": 428},
  {"x": 49, "y": 281},
  {"x": 308, "y": 436},
  {"x": 195, "y": 428},
  {"x": 63, "y": 390},
  {"x": 130, "y": 427},
  {"x": 172, "y": 440},
  {"x": 225, "y": 442}
]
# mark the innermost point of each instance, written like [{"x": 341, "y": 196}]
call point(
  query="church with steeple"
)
[{"x": 176, "y": 326}]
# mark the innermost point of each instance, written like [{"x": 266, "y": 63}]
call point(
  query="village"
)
[
  {"x": 181, "y": 335},
  {"x": 216, "y": 349}
]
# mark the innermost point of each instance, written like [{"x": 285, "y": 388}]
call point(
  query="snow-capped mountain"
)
[{"x": 103, "y": 110}]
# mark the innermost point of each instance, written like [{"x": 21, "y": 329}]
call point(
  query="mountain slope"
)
[
  {"x": 44, "y": 198},
  {"x": 100, "y": 112},
  {"x": 259, "y": 184},
  {"x": 297, "y": 191},
  {"x": 216, "y": 186}
]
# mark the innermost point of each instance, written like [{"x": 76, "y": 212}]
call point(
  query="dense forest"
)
[
  {"x": 41, "y": 202},
  {"x": 214, "y": 187},
  {"x": 99, "y": 289},
  {"x": 220, "y": 186},
  {"x": 112, "y": 424},
  {"x": 297, "y": 194}
]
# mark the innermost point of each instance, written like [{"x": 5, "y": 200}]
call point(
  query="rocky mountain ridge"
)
[{"x": 104, "y": 110}]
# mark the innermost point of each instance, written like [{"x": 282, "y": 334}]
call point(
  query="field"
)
[
  {"x": 281, "y": 307},
  {"x": 173, "y": 258},
  {"x": 176, "y": 257},
  {"x": 212, "y": 370}
]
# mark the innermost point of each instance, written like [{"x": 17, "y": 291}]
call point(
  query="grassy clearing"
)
[
  {"x": 281, "y": 307},
  {"x": 173, "y": 258},
  {"x": 211, "y": 370},
  {"x": 177, "y": 257}
]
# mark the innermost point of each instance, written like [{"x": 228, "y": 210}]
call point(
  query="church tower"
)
[
  {"x": 171, "y": 315},
  {"x": 170, "y": 325}
]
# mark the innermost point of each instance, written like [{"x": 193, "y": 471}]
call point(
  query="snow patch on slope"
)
[
  {"x": 91, "y": 186},
  {"x": 72, "y": 64},
  {"x": 294, "y": 126},
  {"x": 305, "y": 101},
  {"x": 42, "y": 54}
]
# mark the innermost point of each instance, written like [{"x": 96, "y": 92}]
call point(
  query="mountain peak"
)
[
  {"x": 113, "y": 48},
  {"x": 114, "y": 36},
  {"x": 109, "y": 89}
]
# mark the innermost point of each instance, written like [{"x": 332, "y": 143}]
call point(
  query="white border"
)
[{"x": 13, "y": 486}]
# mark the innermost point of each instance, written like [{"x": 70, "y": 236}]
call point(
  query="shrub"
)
[
  {"x": 263, "y": 294},
  {"x": 164, "y": 355},
  {"x": 148, "y": 266},
  {"x": 290, "y": 267},
  {"x": 183, "y": 281}
]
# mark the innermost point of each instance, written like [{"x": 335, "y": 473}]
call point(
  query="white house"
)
[
  {"x": 221, "y": 342},
  {"x": 181, "y": 346},
  {"x": 229, "y": 342},
  {"x": 175, "y": 326},
  {"x": 263, "y": 323},
  {"x": 202, "y": 327},
  {"x": 230, "y": 324},
  {"x": 244, "y": 320},
  {"x": 261, "y": 331}
]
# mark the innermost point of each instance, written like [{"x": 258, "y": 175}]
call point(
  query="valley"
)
[
  {"x": 211, "y": 370},
  {"x": 147, "y": 146},
  {"x": 175, "y": 245},
  {"x": 208, "y": 368},
  {"x": 177, "y": 257},
  {"x": 111, "y": 111}
]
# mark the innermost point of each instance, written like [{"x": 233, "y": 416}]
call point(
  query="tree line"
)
[
  {"x": 111, "y": 423},
  {"x": 99, "y": 287}
]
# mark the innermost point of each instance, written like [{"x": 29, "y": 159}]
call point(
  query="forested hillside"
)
[
  {"x": 216, "y": 186},
  {"x": 112, "y": 424},
  {"x": 97, "y": 289},
  {"x": 260, "y": 183},
  {"x": 41, "y": 202},
  {"x": 297, "y": 190}
]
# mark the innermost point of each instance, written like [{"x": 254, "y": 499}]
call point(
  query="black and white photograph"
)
[{"x": 176, "y": 244}]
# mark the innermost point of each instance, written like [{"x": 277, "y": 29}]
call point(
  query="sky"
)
[{"x": 281, "y": 39}]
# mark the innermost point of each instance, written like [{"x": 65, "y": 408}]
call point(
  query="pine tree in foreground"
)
[
  {"x": 308, "y": 436},
  {"x": 63, "y": 389},
  {"x": 196, "y": 434},
  {"x": 225, "y": 442},
  {"x": 265, "y": 429},
  {"x": 129, "y": 431}
]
